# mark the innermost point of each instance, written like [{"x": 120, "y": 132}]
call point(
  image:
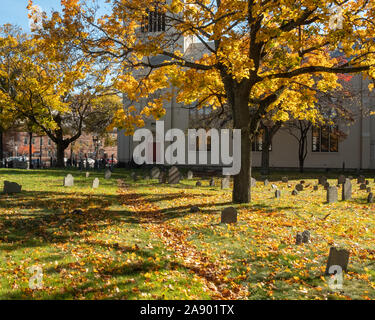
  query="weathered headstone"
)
[
  {"x": 11, "y": 187},
  {"x": 190, "y": 174},
  {"x": 341, "y": 179},
  {"x": 284, "y": 179},
  {"x": 198, "y": 184},
  {"x": 212, "y": 182},
  {"x": 174, "y": 175},
  {"x": 225, "y": 183},
  {"x": 370, "y": 198},
  {"x": 95, "y": 183},
  {"x": 229, "y": 215},
  {"x": 266, "y": 182},
  {"x": 87, "y": 174},
  {"x": 107, "y": 174},
  {"x": 332, "y": 194},
  {"x": 361, "y": 179},
  {"x": 322, "y": 180},
  {"x": 68, "y": 181},
  {"x": 299, "y": 187},
  {"x": 347, "y": 190},
  {"x": 337, "y": 257},
  {"x": 194, "y": 209},
  {"x": 294, "y": 192},
  {"x": 277, "y": 194},
  {"x": 326, "y": 186},
  {"x": 306, "y": 236},
  {"x": 298, "y": 238},
  {"x": 253, "y": 182},
  {"x": 362, "y": 187},
  {"x": 155, "y": 173},
  {"x": 162, "y": 177}
]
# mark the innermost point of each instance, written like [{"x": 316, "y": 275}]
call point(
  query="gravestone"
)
[
  {"x": 173, "y": 175},
  {"x": 253, "y": 182},
  {"x": 95, "y": 183},
  {"x": 87, "y": 174},
  {"x": 299, "y": 187},
  {"x": 367, "y": 182},
  {"x": 341, "y": 179},
  {"x": 306, "y": 236},
  {"x": 284, "y": 179},
  {"x": 212, "y": 182},
  {"x": 347, "y": 190},
  {"x": 339, "y": 257},
  {"x": 370, "y": 198},
  {"x": 194, "y": 209},
  {"x": 277, "y": 194},
  {"x": 368, "y": 189},
  {"x": 198, "y": 184},
  {"x": 162, "y": 177},
  {"x": 361, "y": 179},
  {"x": 155, "y": 173},
  {"x": 322, "y": 180},
  {"x": 294, "y": 192},
  {"x": 332, "y": 194},
  {"x": 190, "y": 174},
  {"x": 229, "y": 215},
  {"x": 316, "y": 188},
  {"x": 266, "y": 183},
  {"x": 68, "y": 181},
  {"x": 326, "y": 186},
  {"x": 107, "y": 174},
  {"x": 225, "y": 183},
  {"x": 362, "y": 187},
  {"x": 11, "y": 187},
  {"x": 298, "y": 238}
]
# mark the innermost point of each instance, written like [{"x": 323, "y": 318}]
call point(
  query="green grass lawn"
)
[{"x": 140, "y": 241}]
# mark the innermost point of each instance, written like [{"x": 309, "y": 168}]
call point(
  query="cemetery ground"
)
[{"x": 141, "y": 240}]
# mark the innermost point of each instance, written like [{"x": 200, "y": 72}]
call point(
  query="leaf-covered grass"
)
[{"x": 139, "y": 240}]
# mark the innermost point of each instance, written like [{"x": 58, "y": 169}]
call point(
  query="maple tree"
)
[{"x": 259, "y": 53}]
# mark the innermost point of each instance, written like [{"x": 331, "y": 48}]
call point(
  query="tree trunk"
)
[
  {"x": 60, "y": 154},
  {"x": 30, "y": 150},
  {"x": 265, "y": 159},
  {"x": 241, "y": 183}
]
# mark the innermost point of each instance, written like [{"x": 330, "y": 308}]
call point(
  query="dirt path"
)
[{"x": 213, "y": 274}]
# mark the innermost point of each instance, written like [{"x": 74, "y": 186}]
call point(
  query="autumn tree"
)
[{"x": 256, "y": 51}]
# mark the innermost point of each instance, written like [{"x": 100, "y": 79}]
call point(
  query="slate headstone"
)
[
  {"x": 174, "y": 175},
  {"x": 306, "y": 236},
  {"x": 68, "y": 181},
  {"x": 332, "y": 194},
  {"x": 229, "y": 215},
  {"x": 162, "y": 177},
  {"x": 299, "y": 187},
  {"x": 107, "y": 174},
  {"x": 190, "y": 174},
  {"x": 326, "y": 186},
  {"x": 341, "y": 179},
  {"x": 212, "y": 182},
  {"x": 155, "y": 173},
  {"x": 95, "y": 183},
  {"x": 11, "y": 187},
  {"x": 277, "y": 194},
  {"x": 370, "y": 198},
  {"x": 347, "y": 190},
  {"x": 225, "y": 183},
  {"x": 339, "y": 257},
  {"x": 322, "y": 180},
  {"x": 298, "y": 238}
]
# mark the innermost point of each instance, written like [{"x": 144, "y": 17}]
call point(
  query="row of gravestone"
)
[
  {"x": 337, "y": 257},
  {"x": 69, "y": 181}
]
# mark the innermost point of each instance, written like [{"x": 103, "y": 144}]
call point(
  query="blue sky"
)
[{"x": 15, "y": 12}]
